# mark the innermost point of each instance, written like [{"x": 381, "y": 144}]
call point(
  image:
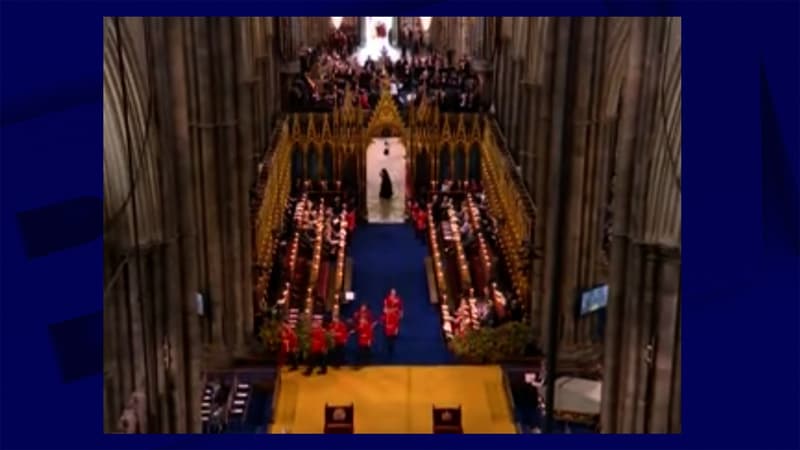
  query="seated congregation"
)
[
  {"x": 308, "y": 316},
  {"x": 462, "y": 238},
  {"x": 328, "y": 72}
]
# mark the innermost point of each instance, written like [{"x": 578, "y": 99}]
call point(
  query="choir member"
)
[
  {"x": 350, "y": 218},
  {"x": 391, "y": 327},
  {"x": 421, "y": 222},
  {"x": 318, "y": 349},
  {"x": 340, "y": 334},
  {"x": 393, "y": 301},
  {"x": 413, "y": 209},
  {"x": 365, "y": 332},
  {"x": 362, "y": 313}
]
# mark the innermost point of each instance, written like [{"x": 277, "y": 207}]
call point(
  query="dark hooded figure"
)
[{"x": 386, "y": 185}]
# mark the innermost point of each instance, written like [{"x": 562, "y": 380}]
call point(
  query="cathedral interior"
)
[{"x": 461, "y": 224}]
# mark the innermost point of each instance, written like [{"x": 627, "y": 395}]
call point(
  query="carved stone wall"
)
[
  {"x": 188, "y": 109},
  {"x": 590, "y": 108},
  {"x": 642, "y": 389}
]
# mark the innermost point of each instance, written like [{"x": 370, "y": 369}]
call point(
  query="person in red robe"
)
[
  {"x": 350, "y": 221},
  {"x": 318, "y": 349},
  {"x": 413, "y": 209},
  {"x": 362, "y": 313},
  {"x": 340, "y": 334},
  {"x": 391, "y": 328},
  {"x": 365, "y": 330},
  {"x": 421, "y": 223},
  {"x": 289, "y": 346},
  {"x": 393, "y": 301}
]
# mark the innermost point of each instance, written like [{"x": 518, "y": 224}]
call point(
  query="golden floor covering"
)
[{"x": 395, "y": 399}]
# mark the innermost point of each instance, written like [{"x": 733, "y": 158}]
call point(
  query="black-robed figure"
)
[{"x": 386, "y": 185}]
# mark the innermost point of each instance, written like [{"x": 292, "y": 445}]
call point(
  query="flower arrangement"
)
[
  {"x": 490, "y": 345},
  {"x": 270, "y": 335}
]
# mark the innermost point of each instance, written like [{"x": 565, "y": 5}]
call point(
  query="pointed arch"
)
[
  {"x": 475, "y": 162},
  {"x": 350, "y": 169},
  {"x": 298, "y": 163},
  {"x": 422, "y": 170},
  {"x": 444, "y": 162},
  {"x": 327, "y": 161},
  {"x": 313, "y": 163},
  {"x": 460, "y": 162}
]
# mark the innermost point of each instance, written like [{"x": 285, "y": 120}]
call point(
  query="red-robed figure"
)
[
  {"x": 362, "y": 313},
  {"x": 365, "y": 331},
  {"x": 289, "y": 346},
  {"x": 350, "y": 218},
  {"x": 318, "y": 349},
  {"x": 340, "y": 333},
  {"x": 413, "y": 209},
  {"x": 421, "y": 222},
  {"x": 393, "y": 301},
  {"x": 391, "y": 327}
]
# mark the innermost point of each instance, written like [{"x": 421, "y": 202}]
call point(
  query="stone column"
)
[
  {"x": 508, "y": 76},
  {"x": 575, "y": 175},
  {"x": 206, "y": 172},
  {"x": 188, "y": 357},
  {"x": 675, "y": 397},
  {"x": 246, "y": 156},
  {"x": 238, "y": 293},
  {"x": 642, "y": 366},
  {"x": 544, "y": 74},
  {"x": 553, "y": 201},
  {"x": 626, "y": 139},
  {"x": 667, "y": 345}
]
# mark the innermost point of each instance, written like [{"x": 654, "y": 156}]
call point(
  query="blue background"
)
[{"x": 740, "y": 248}]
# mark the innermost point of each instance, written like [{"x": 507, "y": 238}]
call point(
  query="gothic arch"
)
[
  {"x": 444, "y": 162},
  {"x": 327, "y": 161},
  {"x": 474, "y": 171},
  {"x": 313, "y": 161},
  {"x": 386, "y": 120},
  {"x": 460, "y": 162}
]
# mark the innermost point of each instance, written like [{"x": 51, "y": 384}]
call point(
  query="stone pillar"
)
[
  {"x": 575, "y": 175},
  {"x": 552, "y": 201},
  {"x": 248, "y": 152},
  {"x": 642, "y": 354},
  {"x": 675, "y": 398},
  {"x": 507, "y": 101},
  {"x": 622, "y": 184},
  {"x": 203, "y": 120},
  {"x": 543, "y": 87},
  {"x": 666, "y": 349},
  {"x": 237, "y": 293}
]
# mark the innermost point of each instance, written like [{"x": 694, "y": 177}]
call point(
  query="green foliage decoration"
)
[{"x": 491, "y": 345}]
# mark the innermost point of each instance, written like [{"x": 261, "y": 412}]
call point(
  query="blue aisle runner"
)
[{"x": 387, "y": 256}]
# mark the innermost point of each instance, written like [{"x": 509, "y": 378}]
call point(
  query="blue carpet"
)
[{"x": 390, "y": 256}]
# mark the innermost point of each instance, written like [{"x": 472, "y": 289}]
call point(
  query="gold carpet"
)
[{"x": 395, "y": 399}]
